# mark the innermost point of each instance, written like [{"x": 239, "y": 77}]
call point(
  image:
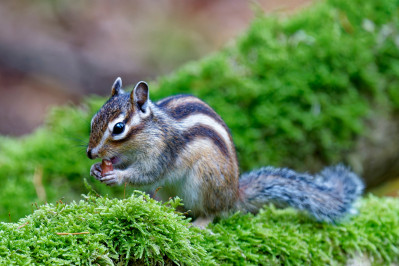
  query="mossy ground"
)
[
  {"x": 104, "y": 231},
  {"x": 276, "y": 237},
  {"x": 140, "y": 230}
]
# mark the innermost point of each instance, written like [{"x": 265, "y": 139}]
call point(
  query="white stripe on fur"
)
[{"x": 201, "y": 119}]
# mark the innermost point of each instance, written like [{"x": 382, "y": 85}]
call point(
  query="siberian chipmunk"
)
[{"x": 183, "y": 146}]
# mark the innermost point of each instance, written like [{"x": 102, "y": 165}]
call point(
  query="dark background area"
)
[{"x": 56, "y": 52}]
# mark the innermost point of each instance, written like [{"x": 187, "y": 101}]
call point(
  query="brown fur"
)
[
  {"x": 209, "y": 160},
  {"x": 183, "y": 146}
]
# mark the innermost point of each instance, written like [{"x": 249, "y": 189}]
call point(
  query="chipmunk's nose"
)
[
  {"x": 92, "y": 155},
  {"x": 89, "y": 154}
]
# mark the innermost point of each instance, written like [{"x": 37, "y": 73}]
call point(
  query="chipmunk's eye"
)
[{"x": 118, "y": 128}]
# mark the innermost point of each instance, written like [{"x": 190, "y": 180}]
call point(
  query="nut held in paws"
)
[{"x": 106, "y": 166}]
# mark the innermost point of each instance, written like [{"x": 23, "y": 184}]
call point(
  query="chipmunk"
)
[{"x": 182, "y": 145}]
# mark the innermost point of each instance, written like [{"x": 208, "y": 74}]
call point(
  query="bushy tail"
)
[{"x": 327, "y": 196}]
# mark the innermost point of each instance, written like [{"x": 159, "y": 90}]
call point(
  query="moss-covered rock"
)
[
  {"x": 285, "y": 237},
  {"x": 102, "y": 231},
  {"x": 139, "y": 230}
]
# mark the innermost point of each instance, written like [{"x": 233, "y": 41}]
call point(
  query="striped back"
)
[{"x": 196, "y": 119}]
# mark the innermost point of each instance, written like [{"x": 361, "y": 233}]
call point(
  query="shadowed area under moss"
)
[{"x": 140, "y": 230}]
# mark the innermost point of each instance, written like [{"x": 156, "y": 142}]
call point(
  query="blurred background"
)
[
  {"x": 325, "y": 79},
  {"x": 55, "y": 52}
]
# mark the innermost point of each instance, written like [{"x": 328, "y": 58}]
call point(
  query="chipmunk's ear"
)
[
  {"x": 117, "y": 87},
  {"x": 140, "y": 95}
]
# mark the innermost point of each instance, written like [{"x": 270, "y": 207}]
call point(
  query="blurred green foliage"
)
[
  {"x": 295, "y": 92},
  {"x": 56, "y": 155}
]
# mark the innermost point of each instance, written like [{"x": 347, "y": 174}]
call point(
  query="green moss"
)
[
  {"x": 140, "y": 230},
  {"x": 308, "y": 81},
  {"x": 286, "y": 237},
  {"x": 133, "y": 230}
]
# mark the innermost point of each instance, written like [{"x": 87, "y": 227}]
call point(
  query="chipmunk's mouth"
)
[{"x": 115, "y": 160}]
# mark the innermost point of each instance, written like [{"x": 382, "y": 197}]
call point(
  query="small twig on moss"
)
[
  {"x": 19, "y": 227},
  {"x": 81, "y": 233},
  {"x": 124, "y": 191},
  {"x": 9, "y": 216},
  {"x": 155, "y": 192}
]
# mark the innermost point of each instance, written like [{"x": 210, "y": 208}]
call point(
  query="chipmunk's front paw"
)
[
  {"x": 95, "y": 171},
  {"x": 111, "y": 178}
]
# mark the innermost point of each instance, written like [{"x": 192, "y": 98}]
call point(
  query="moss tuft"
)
[
  {"x": 285, "y": 237},
  {"x": 139, "y": 230},
  {"x": 106, "y": 231},
  {"x": 308, "y": 81}
]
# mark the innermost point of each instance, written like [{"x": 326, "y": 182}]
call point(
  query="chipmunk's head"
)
[{"x": 120, "y": 122}]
